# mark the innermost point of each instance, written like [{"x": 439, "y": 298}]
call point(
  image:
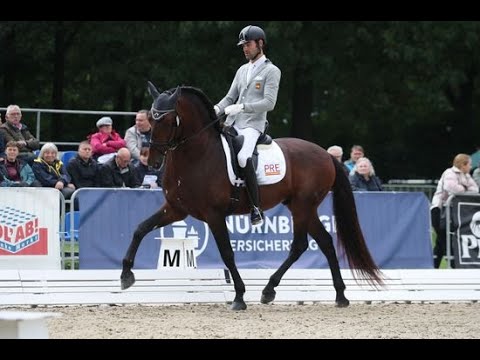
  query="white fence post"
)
[{"x": 24, "y": 325}]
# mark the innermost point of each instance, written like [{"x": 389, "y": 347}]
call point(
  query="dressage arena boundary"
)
[{"x": 90, "y": 287}]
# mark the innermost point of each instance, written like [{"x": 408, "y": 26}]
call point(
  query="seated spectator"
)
[
  {"x": 476, "y": 175},
  {"x": 14, "y": 130},
  {"x": 475, "y": 158},
  {"x": 16, "y": 172},
  {"x": 51, "y": 172},
  {"x": 82, "y": 168},
  {"x": 106, "y": 141},
  {"x": 454, "y": 180},
  {"x": 363, "y": 177},
  {"x": 355, "y": 153},
  {"x": 119, "y": 171},
  {"x": 2, "y": 145},
  {"x": 337, "y": 152},
  {"x": 147, "y": 176},
  {"x": 138, "y": 136}
]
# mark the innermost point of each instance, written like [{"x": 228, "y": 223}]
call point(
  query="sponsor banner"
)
[
  {"x": 465, "y": 215},
  {"x": 396, "y": 226},
  {"x": 29, "y": 228},
  {"x": 108, "y": 218}
]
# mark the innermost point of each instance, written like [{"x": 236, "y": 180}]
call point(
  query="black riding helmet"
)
[{"x": 251, "y": 32}]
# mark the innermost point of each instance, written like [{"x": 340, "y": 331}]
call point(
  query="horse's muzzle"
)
[{"x": 155, "y": 166}]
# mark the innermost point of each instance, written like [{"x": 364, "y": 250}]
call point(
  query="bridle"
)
[{"x": 173, "y": 142}]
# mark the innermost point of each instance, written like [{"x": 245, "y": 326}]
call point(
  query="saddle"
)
[{"x": 235, "y": 143}]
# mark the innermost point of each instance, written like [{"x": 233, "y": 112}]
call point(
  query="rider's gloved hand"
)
[
  {"x": 217, "y": 110},
  {"x": 234, "y": 109}
]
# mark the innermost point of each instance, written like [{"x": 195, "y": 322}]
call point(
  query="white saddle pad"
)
[{"x": 271, "y": 164}]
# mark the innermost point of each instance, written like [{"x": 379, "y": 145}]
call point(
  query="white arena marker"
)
[
  {"x": 24, "y": 325},
  {"x": 177, "y": 254}
]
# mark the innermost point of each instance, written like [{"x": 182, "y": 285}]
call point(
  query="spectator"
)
[
  {"x": 119, "y": 171},
  {"x": 337, "y": 152},
  {"x": 138, "y": 136},
  {"x": 106, "y": 141},
  {"x": 82, "y": 168},
  {"x": 51, "y": 172},
  {"x": 475, "y": 158},
  {"x": 454, "y": 180},
  {"x": 2, "y": 145},
  {"x": 16, "y": 172},
  {"x": 355, "y": 153},
  {"x": 363, "y": 177},
  {"x": 476, "y": 175},
  {"x": 14, "y": 130},
  {"x": 147, "y": 176}
]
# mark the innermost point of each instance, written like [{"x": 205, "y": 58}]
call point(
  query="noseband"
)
[{"x": 172, "y": 143}]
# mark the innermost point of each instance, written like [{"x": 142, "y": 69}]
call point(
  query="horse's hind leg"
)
[
  {"x": 324, "y": 241},
  {"x": 297, "y": 248}
]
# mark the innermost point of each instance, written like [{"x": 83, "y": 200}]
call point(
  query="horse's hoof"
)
[
  {"x": 342, "y": 303},
  {"x": 268, "y": 297},
  {"x": 127, "y": 279},
  {"x": 236, "y": 305}
]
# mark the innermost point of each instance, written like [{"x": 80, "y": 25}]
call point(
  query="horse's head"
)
[
  {"x": 164, "y": 123},
  {"x": 178, "y": 115}
]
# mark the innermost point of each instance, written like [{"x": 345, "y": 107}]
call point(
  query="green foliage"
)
[{"x": 401, "y": 89}]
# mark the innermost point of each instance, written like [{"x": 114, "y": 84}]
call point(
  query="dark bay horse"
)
[{"x": 186, "y": 130}]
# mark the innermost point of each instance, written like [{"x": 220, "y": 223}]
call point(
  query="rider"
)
[{"x": 252, "y": 94}]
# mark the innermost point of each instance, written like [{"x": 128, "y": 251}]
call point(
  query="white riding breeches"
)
[{"x": 251, "y": 136}]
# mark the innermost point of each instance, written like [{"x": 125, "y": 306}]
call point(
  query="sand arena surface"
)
[{"x": 316, "y": 321}]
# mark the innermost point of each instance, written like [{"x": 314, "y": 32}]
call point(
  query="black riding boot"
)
[{"x": 252, "y": 190}]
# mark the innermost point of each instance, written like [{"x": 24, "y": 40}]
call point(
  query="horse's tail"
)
[{"x": 349, "y": 233}]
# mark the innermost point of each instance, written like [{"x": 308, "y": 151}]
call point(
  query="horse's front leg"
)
[
  {"x": 220, "y": 233},
  {"x": 166, "y": 215}
]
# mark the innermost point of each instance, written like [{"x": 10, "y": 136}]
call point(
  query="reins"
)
[{"x": 173, "y": 144}]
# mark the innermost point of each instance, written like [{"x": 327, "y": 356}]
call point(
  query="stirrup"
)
[{"x": 256, "y": 216}]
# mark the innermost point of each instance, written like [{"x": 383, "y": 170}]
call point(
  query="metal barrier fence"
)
[
  {"x": 39, "y": 113},
  {"x": 429, "y": 190}
]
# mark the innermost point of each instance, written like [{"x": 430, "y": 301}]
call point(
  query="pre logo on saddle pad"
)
[{"x": 271, "y": 164}]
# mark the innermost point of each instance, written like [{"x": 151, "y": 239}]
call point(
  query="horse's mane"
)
[{"x": 204, "y": 99}]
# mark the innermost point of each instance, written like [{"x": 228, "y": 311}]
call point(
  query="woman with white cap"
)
[{"x": 106, "y": 140}]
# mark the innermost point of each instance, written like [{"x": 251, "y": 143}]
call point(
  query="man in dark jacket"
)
[
  {"x": 83, "y": 169},
  {"x": 14, "y": 130},
  {"x": 119, "y": 171}
]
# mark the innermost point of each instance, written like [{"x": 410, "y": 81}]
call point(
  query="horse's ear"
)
[
  {"x": 177, "y": 93},
  {"x": 152, "y": 90}
]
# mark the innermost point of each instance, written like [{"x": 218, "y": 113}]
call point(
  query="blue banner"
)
[{"x": 396, "y": 226}]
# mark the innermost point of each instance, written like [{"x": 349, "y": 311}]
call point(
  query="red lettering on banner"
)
[
  {"x": 6, "y": 233},
  {"x": 29, "y": 228},
  {"x": 20, "y": 234}
]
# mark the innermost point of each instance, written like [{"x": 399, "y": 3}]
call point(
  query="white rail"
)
[{"x": 82, "y": 287}]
